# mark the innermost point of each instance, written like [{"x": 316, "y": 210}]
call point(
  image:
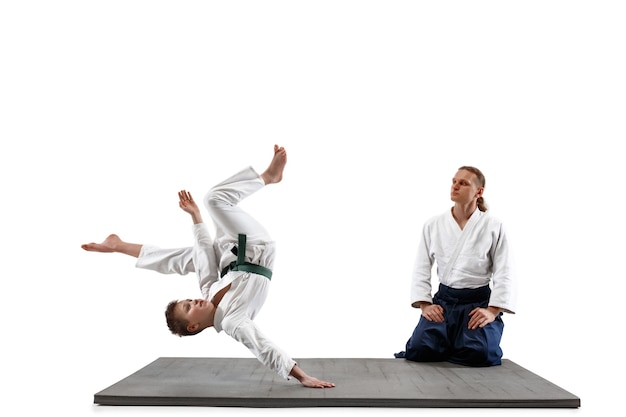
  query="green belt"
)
[{"x": 241, "y": 265}]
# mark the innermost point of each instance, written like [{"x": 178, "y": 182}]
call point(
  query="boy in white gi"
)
[
  {"x": 462, "y": 323},
  {"x": 234, "y": 271}
]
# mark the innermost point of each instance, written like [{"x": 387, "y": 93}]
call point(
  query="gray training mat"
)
[{"x": 245, "y": 382}]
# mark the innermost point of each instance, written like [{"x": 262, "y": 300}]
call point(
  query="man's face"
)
[
  {"x": 464, "y": 187},
  {"x": 193, "y": 311}
]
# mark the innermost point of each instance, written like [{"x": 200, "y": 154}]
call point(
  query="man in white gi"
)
[
  {"x": 462, "y": 323},
  {"x": 234, "y": 271}
]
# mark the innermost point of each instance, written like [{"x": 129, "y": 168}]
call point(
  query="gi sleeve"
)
[
  {"x": 421, "y": 287},
  {"x": 504, "y": 288},
  {"x": 204, "y": 258},
  {"x": 263, "y": 348}
]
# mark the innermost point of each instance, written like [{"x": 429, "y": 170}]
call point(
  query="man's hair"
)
[
  {"x": 482, "y": 205},
  {"x": 176, "y": 325}
]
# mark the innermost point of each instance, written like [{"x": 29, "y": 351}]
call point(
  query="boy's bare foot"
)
[
  {"x": 108, "y": 245},
  {"x": 274, "y": 172}
]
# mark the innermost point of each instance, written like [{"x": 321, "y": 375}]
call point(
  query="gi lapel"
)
[{"x": 467, "y": 230}]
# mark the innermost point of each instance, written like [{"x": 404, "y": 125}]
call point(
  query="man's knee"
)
[
  {"x": 426, "y": 348},
  {"x": 483, "y": 355},
  {"x": 425, "y": 354}
]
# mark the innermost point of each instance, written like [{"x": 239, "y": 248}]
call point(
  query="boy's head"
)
[{"x": 181, "y": 317}]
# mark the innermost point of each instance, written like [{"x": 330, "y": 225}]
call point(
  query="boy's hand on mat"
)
[
  {"x": 480, "y": 317},
  {"x": 432, "y": 312},
  {"x": 309, "y": 381}
]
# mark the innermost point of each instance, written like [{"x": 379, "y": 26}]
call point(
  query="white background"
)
[{"x": 108, "y": 108}]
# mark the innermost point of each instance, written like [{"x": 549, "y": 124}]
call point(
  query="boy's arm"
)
[
  {"x": 204, "y": 258},
  {"x": 246, "y": 332}
]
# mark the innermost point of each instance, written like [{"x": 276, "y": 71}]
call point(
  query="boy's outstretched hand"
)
[
  {"x": 186, "y": 203},
  {"x": 309, "y": 381}
]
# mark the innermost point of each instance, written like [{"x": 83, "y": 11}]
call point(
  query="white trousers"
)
[
  {"x": 208, "y": 257},
  {"x": 229, "y": 219}
]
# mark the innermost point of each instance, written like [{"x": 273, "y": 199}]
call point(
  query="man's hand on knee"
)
[{"x": 432, "y": 312}]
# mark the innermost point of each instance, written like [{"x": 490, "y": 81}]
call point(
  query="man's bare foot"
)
[
  {"x": 274, "y": 172},
  {"x": 108, "y": 245}
]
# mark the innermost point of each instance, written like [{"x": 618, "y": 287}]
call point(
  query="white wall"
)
[{"x": 109, "y": 108}]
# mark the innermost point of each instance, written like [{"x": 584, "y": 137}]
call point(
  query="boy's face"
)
[{"x": 193, "y": 311}]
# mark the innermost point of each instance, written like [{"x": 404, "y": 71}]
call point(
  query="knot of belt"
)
[{"x": 241, "y": 265}]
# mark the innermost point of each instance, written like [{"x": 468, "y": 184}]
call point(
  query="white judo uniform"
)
[
  {"x": 473, "y": 257},
  {"x": 242, "y": 302}
]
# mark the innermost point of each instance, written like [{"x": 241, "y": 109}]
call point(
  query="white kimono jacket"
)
[{"x": 483, "y": 258}]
